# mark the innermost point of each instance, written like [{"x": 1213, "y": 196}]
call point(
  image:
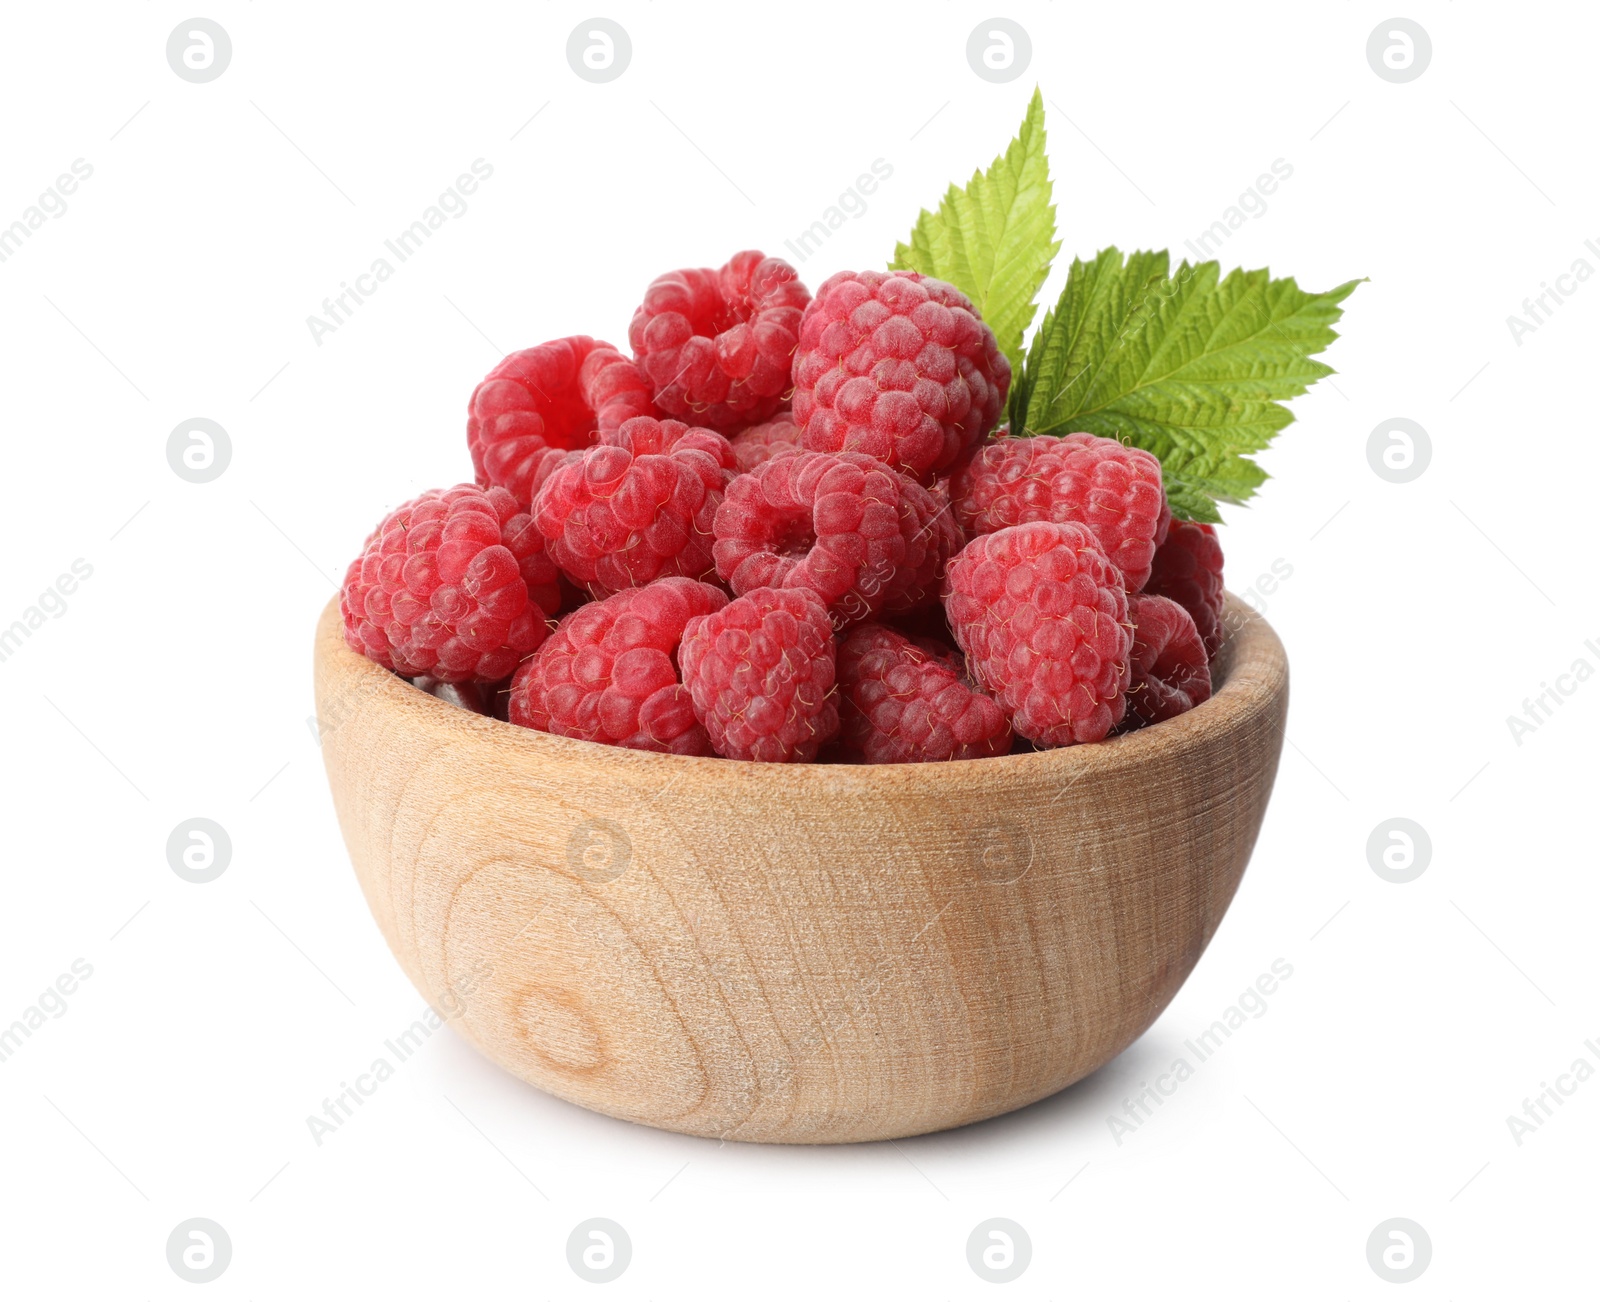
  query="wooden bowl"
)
[{"x": 797, "y": 953}]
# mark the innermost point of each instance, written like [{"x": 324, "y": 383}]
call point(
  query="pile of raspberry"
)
[{"x": 788, "y": 527}]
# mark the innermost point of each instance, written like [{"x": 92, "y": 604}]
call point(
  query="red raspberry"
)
[
  {"x": 1188, "y": 569},
  {"x": 558, "y": 395},
  {"x": 904, "y": 701},
  {"x": 932, "y": 538},
  {"x": 899, "y": 366},
  {"x": 1042, "y": 616},
  {"x": 1078, "y": 479},
  {"x": 840, "y": 524},
  {"x": 716, "y": 345},
  {"x": 1171, "y": 672},
  {"x": 608, "y": 672},
  {"x": 442, "y": 587},
  {"x": 760, "y": 672},
  {"x": 538, "y": 568},
  {"x": 636, "y": 508},
  {"x": 777, "y": 437}
]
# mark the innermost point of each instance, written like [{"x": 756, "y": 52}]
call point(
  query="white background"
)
[{"x": 176, "y": 684}]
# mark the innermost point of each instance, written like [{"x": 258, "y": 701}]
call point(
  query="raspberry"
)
[
  {"x": 898, "y": 366},
  {"x": 441, "y": 587},
  {"x": 636, "y": 508},
  {"x": 1171, "y": 672},
  {"x": 716, "y": 345},
  {"x": 608, "y": 672},
  {"x": 1079, "y": 479},
  {"x": 760, "y": 672},
  {"x": 538, "y": 568},
  {"x": 1042, "y": 616},
  {"x": 559, "y": 395},
  {"x": 840, "y": 524},
  {"x": 904, "y": 701},
  {"x": 1188, "y": 569},
  {"x": 777, "y": 437},
  {"x": 932, "y": 538}
]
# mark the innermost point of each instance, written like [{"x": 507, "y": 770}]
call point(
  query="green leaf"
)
[
  {"x": 1190, "y": 365},
  {"x": 994, "y": 240}
]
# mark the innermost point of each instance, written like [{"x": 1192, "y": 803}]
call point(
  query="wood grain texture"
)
[{"x": 797, "y": 953}]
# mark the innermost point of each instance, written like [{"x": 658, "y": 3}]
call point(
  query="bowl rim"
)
[{"x": 1255, "y": 677}]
